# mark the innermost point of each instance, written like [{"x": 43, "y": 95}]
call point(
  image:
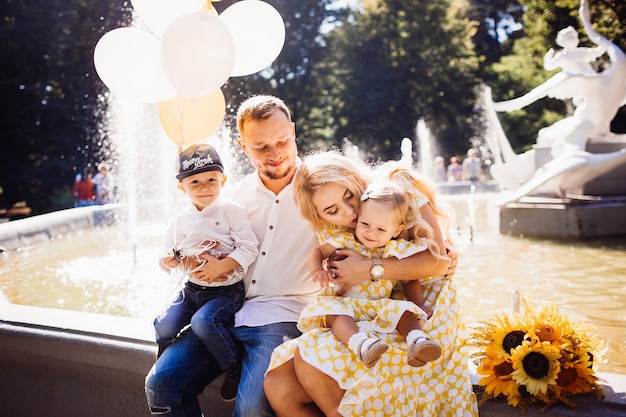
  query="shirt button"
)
[
  {"x": 263, "y": 253},
  {"x": 254, "y": 281},
  {"x": 271, "y": 227},
  {"x": 277, "y": 201}
]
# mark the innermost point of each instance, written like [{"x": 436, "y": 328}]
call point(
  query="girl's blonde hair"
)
[
  {"x": 319, "y": 169},
  {"x": 416, "y": 229},
  {"x": 397, "y": 172}
]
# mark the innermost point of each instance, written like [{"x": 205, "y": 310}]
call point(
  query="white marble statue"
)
[{"x": 597, "y": 96}]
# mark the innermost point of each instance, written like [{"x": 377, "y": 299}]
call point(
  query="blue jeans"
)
[
  {"x": 211, "y": 312},
  {"x": 186, "y": 367}
]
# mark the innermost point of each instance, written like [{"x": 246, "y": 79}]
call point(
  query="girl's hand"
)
[{"x": 324, "y": 278}]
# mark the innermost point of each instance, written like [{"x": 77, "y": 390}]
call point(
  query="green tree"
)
[
  {"x": 51, "y": 105},
  {"x": 392, "y": 63}
]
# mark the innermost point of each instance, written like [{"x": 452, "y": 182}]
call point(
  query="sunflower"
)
[
  {"x": 577, "y": 377},
  {"x": 500, "y": 335},
  {"x": 535, "y": 356},
  {"x": 536, "y": 365}
]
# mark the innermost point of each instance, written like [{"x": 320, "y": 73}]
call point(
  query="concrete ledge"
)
[
  {"x": 29, "y": 231},
  {"x": 95, "y": 365},
  {"x": 565, "y": 218},
  {"x": 67, "y": 371}
]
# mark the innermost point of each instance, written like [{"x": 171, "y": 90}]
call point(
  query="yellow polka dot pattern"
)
[{"x": 441, "y": 388}]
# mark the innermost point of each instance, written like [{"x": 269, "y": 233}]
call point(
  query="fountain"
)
[
  {"x": 92, "y": 341},
  {"x": 572, "y": 183}
]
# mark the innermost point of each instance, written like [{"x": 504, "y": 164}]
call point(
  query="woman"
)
[{"x": 316, "y": 375}]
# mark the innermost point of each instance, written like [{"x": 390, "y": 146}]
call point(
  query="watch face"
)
[{"x": 377, "y": 271}]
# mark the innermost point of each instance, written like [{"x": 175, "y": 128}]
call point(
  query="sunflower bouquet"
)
[{"x": 535, "y": 356}]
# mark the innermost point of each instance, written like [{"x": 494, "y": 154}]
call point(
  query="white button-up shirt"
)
[{"x": 278, "y": 285}]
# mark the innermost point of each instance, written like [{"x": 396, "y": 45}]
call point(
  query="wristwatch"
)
[{"x": 377, "y": 271}]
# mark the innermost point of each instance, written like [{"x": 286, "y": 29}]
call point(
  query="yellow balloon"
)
[{"x": 190, "y": 120}]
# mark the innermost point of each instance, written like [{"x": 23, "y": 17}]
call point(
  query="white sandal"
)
[
  {"x": 372, "y": 353},
  {"x": 422, "y": 351}
]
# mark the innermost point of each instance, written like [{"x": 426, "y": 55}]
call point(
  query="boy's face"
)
[{"x": 203, "y": 188}]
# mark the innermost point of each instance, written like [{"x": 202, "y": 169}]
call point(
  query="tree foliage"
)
[
  {"x": 390, "y": 64},
  {"x": 366, "y": 75},
  {"x": 51, "y": 108}
]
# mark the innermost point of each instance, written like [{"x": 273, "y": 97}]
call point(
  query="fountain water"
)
[{"x": 425, "y": 144}]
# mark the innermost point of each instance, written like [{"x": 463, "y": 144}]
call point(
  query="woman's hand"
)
[
  {"x": 349, "y": 268},
  {"x": 454, "y": 259}
]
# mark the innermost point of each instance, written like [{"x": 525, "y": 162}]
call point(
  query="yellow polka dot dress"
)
[
  {"x": 441, "y": 388},
  {"x": 368, "y": 301}
]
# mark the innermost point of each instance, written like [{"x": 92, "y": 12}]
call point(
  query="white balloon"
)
[
  {"x": 197, "y": 53},
  {"x": 259, "y": 34},
  {"x": 128, "y": 61},
  {"x": 158, "y": 14}
]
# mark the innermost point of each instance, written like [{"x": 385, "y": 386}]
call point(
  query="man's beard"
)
[{"x": 277, "y": 175}]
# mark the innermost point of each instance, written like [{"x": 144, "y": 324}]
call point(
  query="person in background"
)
[
  {"x": 472, "y": 168},
  {"x": 455, "y": 170},
  {"x": 439, "y": 169},
  {"x": 105, "y": 184},
  {"x": 214, "y": 225},
  {"x": 83, "y": 190}
]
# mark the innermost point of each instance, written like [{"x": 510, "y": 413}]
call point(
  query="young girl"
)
[{"x": 386, "y": 224}]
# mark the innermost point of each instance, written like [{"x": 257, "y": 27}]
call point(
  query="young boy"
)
[{"x": 217, "y": 227}]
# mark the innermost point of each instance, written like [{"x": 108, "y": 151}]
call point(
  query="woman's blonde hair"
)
[{"x": 319, "y": 169}]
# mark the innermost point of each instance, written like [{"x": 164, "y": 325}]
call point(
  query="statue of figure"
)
[
  {"x": 597, "y": 96},
  {"x": 572, "y": 59}
]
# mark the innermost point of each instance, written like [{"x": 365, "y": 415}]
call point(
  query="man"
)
[{"x": 277, "y": 285}]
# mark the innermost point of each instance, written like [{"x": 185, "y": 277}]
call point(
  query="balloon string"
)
[{"x": 178, "y": 125}]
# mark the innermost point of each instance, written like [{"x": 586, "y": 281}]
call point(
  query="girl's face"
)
[
  {"x": 335, "y": 204},
  {"x": 378, "y": 223}
]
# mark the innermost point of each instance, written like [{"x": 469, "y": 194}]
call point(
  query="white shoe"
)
[
  {"x": 422, "y": 351},
  {"x": 370, "y": 355}
]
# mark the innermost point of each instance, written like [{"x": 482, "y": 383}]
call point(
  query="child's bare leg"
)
[
  {"x": 414, "y": 293},
  {"x": 421, "y": 349},
  {"x": 368, "y": 349},
  {"x": 344, "y": 327}
]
